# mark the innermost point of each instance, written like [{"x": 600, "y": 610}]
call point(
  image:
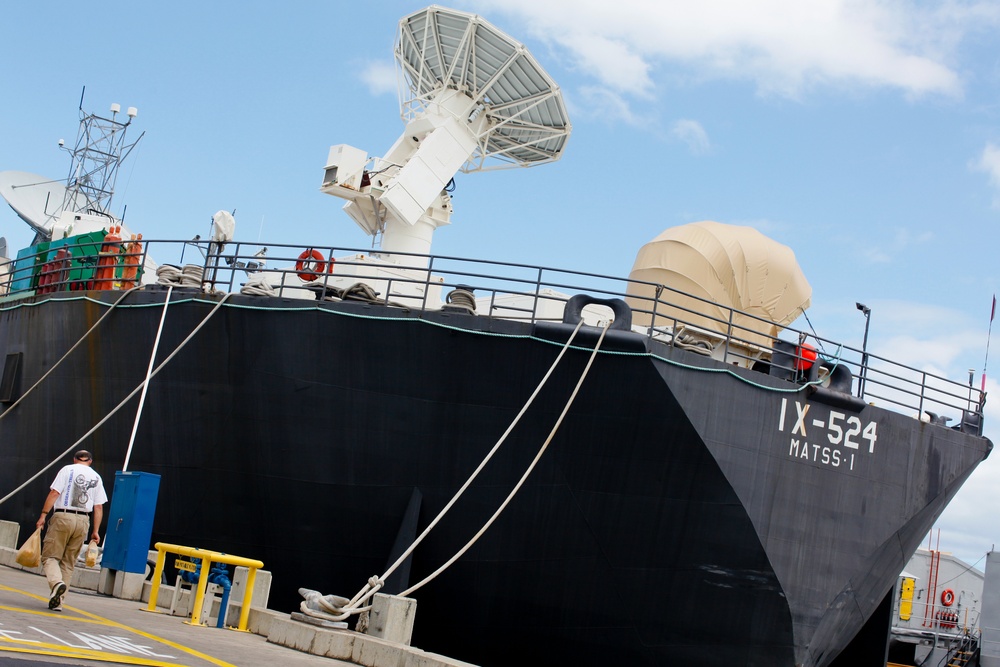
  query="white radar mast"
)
[{"x": 473, "y": 99}]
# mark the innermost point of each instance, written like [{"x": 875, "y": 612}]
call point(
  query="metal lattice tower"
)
[{"x": 100, "y": 149}]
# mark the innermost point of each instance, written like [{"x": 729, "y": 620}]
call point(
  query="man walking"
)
[{"x": 76, "y": 491}]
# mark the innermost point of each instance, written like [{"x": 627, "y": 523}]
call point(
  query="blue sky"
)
[{"x": 864, "y": 135}]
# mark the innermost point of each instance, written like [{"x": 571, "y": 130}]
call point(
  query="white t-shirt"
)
[{"x": 80, "y": 488}]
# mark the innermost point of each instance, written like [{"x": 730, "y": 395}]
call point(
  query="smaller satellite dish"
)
[{"x": 36, "y": 200}]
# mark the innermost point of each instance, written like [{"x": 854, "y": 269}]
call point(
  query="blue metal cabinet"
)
[{"x": 130, "y": 523}]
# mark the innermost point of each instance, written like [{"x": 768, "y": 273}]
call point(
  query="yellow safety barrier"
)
[{"x": 207, "y": 558}]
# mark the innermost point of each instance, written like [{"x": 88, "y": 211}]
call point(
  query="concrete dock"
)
[
  {"x": 102, "y": 628},
  {"x": 108, "y": 621}
]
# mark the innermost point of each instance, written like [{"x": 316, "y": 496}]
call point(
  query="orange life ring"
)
[
  {"x": 311, "y": 263},
  {"x": 947, "y": 597}
]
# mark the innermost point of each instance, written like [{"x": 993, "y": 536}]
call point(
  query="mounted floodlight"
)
[{"x": 474, "y": 100}]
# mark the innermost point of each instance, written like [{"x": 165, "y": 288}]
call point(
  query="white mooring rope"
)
[
  {"x": 340, "y": 612},
  {"x": 121, "y": 404},
  {"x": 68, "y": 352}
]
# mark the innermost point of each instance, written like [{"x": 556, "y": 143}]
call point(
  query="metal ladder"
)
[{"x": 962, "y": 654}]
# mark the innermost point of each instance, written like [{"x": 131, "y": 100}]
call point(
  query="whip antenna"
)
[{"x": 989, "y": 333}]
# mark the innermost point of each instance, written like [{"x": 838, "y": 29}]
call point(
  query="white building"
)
[{"x": 938, "y": 609}]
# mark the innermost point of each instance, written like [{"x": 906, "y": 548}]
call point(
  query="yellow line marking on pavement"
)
[
  {"x": 50, "y": 614},
  {"x": 94, "y": 618},
  {"x": 86, "y": 654}
]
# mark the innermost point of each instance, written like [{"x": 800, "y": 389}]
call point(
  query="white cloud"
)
[
  {"x": 934, "y": 353},
  {"x": 607, "y": 105},
  {"x": 915, "y": 317},
  {"x": 875, "y": 255},
  {"x": 379, "y": 76},
  {"x": 611, "y": 62},
  {"x": 692, "y": 134},
  {"x": 907, "y": 237},
  {"x": 763, "y": 225},
  {"x": 989, "y": 161},
  {"x": 783, "y": 46},
  {"x": 888, "y": 249},
  {"x": 912, "y": 335}
]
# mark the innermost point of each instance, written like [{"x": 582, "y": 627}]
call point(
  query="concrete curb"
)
[{"x": 347, "y": 645}]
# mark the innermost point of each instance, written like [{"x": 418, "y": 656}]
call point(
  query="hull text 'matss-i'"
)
[{"x": 710, "y": 485}]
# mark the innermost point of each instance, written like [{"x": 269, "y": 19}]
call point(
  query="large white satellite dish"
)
[
  {"x": 473, "y": 99},
  {"x": 440, "y": 48},
  {"x": 37, "y": 200}
]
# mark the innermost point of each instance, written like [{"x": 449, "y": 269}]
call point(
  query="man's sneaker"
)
[{"x": 57, "y": 593}]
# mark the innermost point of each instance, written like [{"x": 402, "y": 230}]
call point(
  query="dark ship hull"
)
[{"x": 685, "y": 510}]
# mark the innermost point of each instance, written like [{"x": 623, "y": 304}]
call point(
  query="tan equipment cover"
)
[{"x": 731, "y": 267}]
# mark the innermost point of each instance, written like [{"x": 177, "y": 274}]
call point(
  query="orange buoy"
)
[
  {"x": 805, "y": 357},
  {"x": 54, "y": 273},
  {"x": 104, "y": 276},
  {"x": 947, "y": 597},
  {"x": 133, "y": 253},
  {"x": 311, "y": 263}
]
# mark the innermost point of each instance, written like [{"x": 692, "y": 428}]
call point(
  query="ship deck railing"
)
[
  {"x": 930, "y": 616},
  {"x": 511, "y": 291}
]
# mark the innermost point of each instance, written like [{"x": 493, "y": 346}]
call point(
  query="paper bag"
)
[
  {"x": 92, "y": 554},
  {"x": 30, "y": 553}
]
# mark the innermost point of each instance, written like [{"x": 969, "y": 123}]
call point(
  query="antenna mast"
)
[
  {"x": 99, "y": 151},
  {"x": 83, "y": 203}
]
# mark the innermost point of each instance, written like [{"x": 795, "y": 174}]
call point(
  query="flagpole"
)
[{"x": 989, "y": 333}]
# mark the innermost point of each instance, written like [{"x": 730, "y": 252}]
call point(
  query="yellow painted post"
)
[
  {"x": 199, "y": 598},
  {"x": 247, "y": 594},
  {"x": 154, "y": 592}
]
